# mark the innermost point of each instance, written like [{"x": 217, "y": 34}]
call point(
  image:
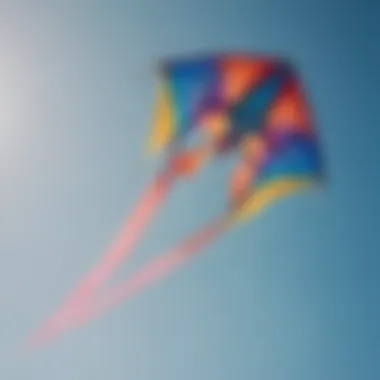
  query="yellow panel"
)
[
  {"x": 163, "y": 130},
  {"x": 271, "y": 193}
]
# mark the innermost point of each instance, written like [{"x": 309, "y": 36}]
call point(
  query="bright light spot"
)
[{"x": 18, "y": 100}]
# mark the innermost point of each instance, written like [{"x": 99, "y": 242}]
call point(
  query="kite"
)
[{"x": 247, "y": 104}]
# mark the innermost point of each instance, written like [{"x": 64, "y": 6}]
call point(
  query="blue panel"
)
[
  {"x": 249, "y": 115},
  {"x": 191, "y": 83},
  {"x": 298, "y": 155}
]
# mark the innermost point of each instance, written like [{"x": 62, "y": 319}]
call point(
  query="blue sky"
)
[{"x": 292, "y": 295}]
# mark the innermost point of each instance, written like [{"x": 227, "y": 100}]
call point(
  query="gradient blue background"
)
[{"x": 291, "y": 296}]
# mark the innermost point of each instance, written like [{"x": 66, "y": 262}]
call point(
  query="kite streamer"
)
[
  {"x": 151, "y": 273},
  {"x": 118, "y": 252},
  {"x": 148, "y": 275}
]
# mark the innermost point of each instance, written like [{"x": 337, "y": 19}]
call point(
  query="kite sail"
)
[{"x": 252, "y": 105}]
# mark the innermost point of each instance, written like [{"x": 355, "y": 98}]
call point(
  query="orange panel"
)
[
  {"x": 290, "y": 110},
  {"x": 241, "y": 73}
]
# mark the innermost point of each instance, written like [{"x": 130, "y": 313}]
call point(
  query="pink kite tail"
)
[
  {"x": 158, "y": 269},
  {"x": 118, "y": 252}
]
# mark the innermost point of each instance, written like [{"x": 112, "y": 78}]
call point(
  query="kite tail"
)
[
  {"x": 159, "y": 268},
  {"x": 188, "y": 162},
  {"x": 118, "y": 252}
]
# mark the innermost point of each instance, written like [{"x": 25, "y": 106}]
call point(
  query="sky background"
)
[{"x": 293, "y": 295}]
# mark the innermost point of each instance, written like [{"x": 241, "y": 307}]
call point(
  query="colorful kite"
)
[{"x": 249, "y": 104}]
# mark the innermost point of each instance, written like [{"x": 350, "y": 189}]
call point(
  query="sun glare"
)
[{"x": 18, "y": 101}]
